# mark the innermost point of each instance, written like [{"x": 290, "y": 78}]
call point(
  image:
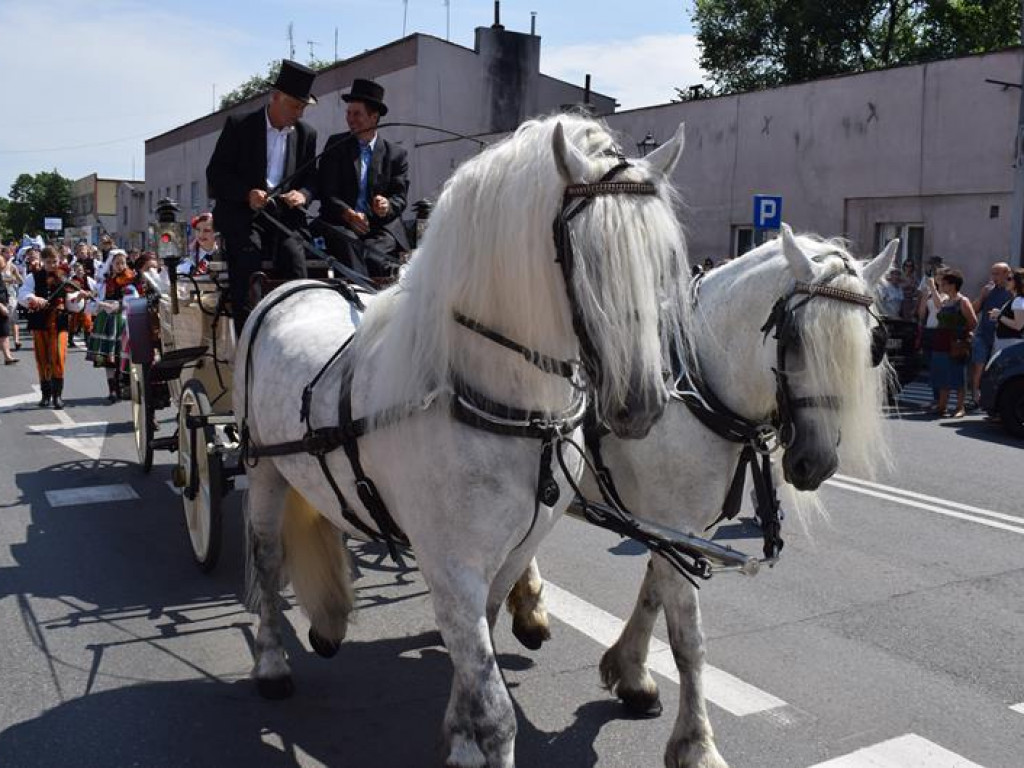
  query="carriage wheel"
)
[
  {"x": 202, "y": 472},
  {"x": 143, "y": 413}
]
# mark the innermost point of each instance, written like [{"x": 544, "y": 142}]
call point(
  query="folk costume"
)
[
  {"x": 49, "y": 327},
  {"x": 352, "y": 171},
  {"x": 109, "y": 325},
  {"x": 247, "y": 157}
]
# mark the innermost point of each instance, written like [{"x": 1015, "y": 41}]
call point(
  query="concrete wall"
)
[{"x": 929, "y": 144}]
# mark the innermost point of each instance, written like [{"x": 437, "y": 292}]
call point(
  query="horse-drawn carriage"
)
[
  {"x": 467, "y": 390},
  {"x": 180, "y": 352}
]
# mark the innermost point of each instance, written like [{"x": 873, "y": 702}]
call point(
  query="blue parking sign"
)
[{"x": 767, "y": 211}]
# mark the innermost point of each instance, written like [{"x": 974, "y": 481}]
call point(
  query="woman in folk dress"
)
[{"x": 108, "y": 326}]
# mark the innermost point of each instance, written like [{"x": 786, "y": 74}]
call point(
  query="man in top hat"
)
[
  {"x": 362, "y": 185},
  {"x": 263, "y": 164}
]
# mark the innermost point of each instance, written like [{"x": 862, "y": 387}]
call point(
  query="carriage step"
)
[
  {"x": 169, "y": 443},
  {"x": 170, "y": 364}
]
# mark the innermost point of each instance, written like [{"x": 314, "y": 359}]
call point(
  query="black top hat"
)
[
  {"x": 296, "y": 80},
  {"x": 369, "y": 93}
]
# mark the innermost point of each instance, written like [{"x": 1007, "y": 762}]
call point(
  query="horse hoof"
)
[
  {"x": 531, "y": 636},
  {"x": 323, "y": 647},
  {"x": 275, "y": 688},
  {"x": 641, "y": 704}
]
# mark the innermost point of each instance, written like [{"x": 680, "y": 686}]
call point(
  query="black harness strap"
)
[{"x": 548, "y": 364}]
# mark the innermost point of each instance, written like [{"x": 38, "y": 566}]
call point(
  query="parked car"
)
[
  {"x": 1002, "y": 389},
  {"x": 902, "y": 349}
]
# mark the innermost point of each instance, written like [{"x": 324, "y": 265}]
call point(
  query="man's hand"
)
[
  {"x": 35, "y": 303},
  {"x": 257, "y": 199},
  {"x": 380, "y": 206},
  {"x": 356, "y": 221},
  {"x": 293, "y": 199}
]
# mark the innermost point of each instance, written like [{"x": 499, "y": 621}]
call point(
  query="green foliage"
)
[
  {"x": 752, "y": 44},
  {"x": 261, "y": 83},
  {"x": 34, "y": 197},
  {"x": 6, "y": 233}
]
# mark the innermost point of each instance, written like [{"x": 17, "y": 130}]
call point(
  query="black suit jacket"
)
[
  {"x": 239, "y": 164},
  {"x": 338, "y": 178}
]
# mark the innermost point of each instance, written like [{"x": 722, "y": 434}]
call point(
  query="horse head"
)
[
  {"x": 829, "y": 374},
  {"x": 622, "y": 256}
]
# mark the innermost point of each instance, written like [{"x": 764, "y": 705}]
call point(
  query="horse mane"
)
[
  {"x": 835, "y": 342},
  {"x": 489, "y": 253}
]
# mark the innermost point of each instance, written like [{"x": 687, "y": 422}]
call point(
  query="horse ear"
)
[
  {"x": 877, "y": 268},
  {"x": 665, "y": 157},
  {"x": 799, "y": 264},
  {"x": 571, "y": 163}
]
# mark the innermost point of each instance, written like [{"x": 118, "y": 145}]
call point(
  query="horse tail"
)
[{"x": 317, "y": 560}]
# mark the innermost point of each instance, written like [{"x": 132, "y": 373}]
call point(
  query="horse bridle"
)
[
  {"x": 783, "y": 319},
  {"x": 575, "y": 199}
]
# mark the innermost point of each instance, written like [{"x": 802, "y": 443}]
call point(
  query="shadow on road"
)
[{"x": 379, "y": 702}]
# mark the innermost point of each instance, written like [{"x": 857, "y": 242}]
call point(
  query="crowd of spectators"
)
[{"x": 958, "y": 331}]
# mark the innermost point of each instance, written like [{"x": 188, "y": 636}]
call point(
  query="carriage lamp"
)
[
  {"x": 170, "y": 243},
  {"x": 423, "y": 209},
  {"x": 645, "y": 145}
]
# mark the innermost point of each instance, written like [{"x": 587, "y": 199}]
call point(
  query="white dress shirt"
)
[{"x": 277, "y": 150}]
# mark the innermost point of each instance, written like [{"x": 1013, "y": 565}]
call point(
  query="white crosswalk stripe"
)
[
  {"x": 916, "y": 392},
  {"x": 908, "y": 751}
]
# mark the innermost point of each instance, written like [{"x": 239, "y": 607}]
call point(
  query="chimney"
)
[
  {"x": 586, "y": 89},
  {"x": 533, "y": 23},
  {"x": 497, "y": 15}
]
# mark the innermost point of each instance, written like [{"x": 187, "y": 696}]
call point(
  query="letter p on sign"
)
[{"x": 767, "y": 211}]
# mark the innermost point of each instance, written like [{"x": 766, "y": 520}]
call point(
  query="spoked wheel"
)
[
  {"x": 202, "y": 474},
  {"x": 143, "y": 414}
]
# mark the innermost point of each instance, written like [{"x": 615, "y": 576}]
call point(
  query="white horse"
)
[
  {"x": 485, "y": 314},
  {"x": 680, "y": 474}
]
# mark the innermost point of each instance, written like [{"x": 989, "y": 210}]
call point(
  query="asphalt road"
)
[{"x": 891, "y": 631}]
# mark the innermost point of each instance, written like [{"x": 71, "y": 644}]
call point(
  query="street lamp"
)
[{"x": 645, "y": 145}]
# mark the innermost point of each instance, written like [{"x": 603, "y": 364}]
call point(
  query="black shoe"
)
[
  {"x": 58, "y": 390},
  {"x": 47, "y": 393},
  {"x": 71, "y": 344}
]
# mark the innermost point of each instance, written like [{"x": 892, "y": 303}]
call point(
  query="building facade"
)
[
  {"x": 924, "y": 152},
  {"x": 485, "y": 90},
  {"x": 95, "y": 206}
]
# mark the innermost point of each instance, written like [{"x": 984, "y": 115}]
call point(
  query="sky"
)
[{"x": 83, "y": 84}]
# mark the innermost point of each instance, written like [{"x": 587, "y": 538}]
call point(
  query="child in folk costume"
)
[
  {"x": 203, "y": 247},
  {"x": 44, "y": 294},
  {"x": 79, "y": 319},
  {"x": 117, "y": 283}
]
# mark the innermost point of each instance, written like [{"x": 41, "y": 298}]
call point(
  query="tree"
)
[
  {"x": 751, "y": 44},
  {"x": 261, "y": 83},
  {"x": 6, "y": 233},
  {"x": 34, "y": 197}
]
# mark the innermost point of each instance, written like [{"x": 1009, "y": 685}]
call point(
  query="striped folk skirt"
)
[{"x": 105, "y": 341}]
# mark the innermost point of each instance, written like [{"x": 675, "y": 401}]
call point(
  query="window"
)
[
  {"x": 742, "y": 240},
  {"x": 124, "y": 215},
  {"x": 194, "y": 195},
  {"x": 177, "y": 193},
  {"x": 150, "y": 208},
  {"x": 911, "y": 241}
]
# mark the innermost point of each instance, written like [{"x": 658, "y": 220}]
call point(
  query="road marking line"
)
[
  {"x": 16, "y": 400},
  {"x": 1018, "y": 708},
  {"x": 931, "y": 507},
  {"x": 92, "y": 494},
  {"x": 934, "y": 499},
  {"x": 726, "y": 691},
  {"x": 86, "y": 438},
  {"x": 907, "y": 751}
]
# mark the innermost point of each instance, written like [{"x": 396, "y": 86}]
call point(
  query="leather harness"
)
[{"x": 467, "y": 405}]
